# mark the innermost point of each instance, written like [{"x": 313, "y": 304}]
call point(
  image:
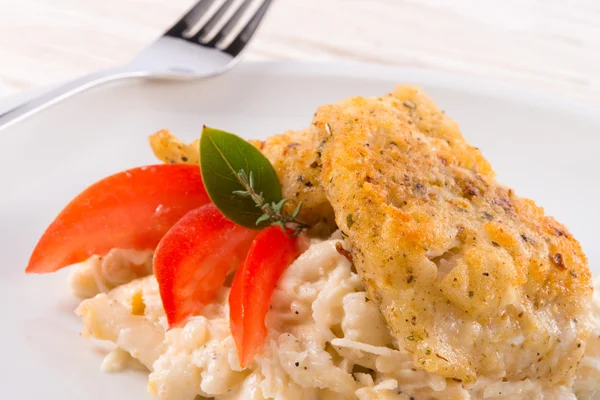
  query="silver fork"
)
[{"x": 197, "y": 46}]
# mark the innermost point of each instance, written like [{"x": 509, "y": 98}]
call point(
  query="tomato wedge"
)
[
  {"x": 193, "y": 259},
  {"x": 130, "y": 210},
  {"x": 271, "y": 253}
]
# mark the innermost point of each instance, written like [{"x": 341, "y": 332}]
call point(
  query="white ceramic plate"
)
[{"x": 545, "y": 148}]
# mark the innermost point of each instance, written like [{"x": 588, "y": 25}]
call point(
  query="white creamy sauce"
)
[{"x": 326, "y": 340}]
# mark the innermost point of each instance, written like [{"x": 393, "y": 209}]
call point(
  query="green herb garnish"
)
[{"x": 242, "y": 183}]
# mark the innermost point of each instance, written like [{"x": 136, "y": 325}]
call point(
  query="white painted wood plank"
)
[{"x": 548, "y": 45}]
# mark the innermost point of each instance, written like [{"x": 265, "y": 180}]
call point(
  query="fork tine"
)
[
  {"x": 214, "y": 20},
  {"x": 242, "y": 38},
  {"x": 231, "y": 24},
  {"x": 189, "y": 19}
]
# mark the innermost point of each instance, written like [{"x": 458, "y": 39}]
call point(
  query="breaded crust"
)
[
  {"x": 471, "y": 279},
  {"x": 295, "y": 157}
]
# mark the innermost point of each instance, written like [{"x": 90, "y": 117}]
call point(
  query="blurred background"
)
[{"x": 547, "y": 45}]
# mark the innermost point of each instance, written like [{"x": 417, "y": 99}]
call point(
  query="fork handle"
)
[{"x": 55, "y": 95}]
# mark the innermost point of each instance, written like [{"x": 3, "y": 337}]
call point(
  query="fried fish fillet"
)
[
  {"x": 169, "y": 149},
  {"x": 471, "y": 279},
  {"x": 295, "y": 157}
]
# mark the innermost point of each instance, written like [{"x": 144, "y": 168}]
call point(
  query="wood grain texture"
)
[{"x": 547, "y": 45}]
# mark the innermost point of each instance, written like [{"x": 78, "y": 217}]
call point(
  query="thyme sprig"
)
[{"x": 272, "y": 212}]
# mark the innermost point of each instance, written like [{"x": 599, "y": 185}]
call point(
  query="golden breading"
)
[
  {"x": 294, "y": 155},
  {"x": 471, "y": 279},
  {"x": 169, "y": 149}
]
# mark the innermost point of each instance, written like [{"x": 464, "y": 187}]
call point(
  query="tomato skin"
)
[
  {"x": 236, "y": 310},
  {"x": 193, "y": 259},
  {"x": 132, "y": 209},
  {"x": 270, "y": 254}
]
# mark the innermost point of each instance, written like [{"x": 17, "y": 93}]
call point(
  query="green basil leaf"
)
[{"x": 222, "y": 156}]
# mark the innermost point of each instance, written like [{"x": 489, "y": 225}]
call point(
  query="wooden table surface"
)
[{"x": 548, "y": 45}]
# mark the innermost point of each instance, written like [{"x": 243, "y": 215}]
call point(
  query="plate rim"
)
[{"x": 374, "y": 73}]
